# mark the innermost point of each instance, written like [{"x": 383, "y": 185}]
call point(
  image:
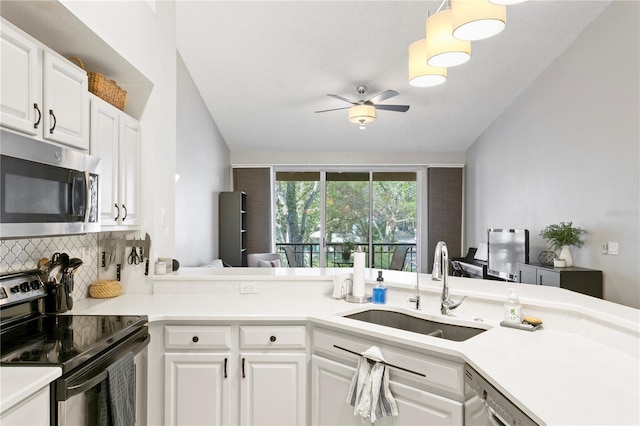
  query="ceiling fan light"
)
[
  {"x": 477, "y": 19},
  {"x": 362, "y": 114},
  {"x": 444, "y": 50},
  {"x": 420, "y": 73}
]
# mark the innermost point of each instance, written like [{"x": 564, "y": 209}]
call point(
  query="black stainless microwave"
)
[{"x": 46, "y": 189}]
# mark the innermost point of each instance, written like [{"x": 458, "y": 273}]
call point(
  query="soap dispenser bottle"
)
[
  {"x": 380, "y": 291},
  {"x": 512, "y": 308}
]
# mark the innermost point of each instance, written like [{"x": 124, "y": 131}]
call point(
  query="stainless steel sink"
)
[{"x": 406, "y": 322}]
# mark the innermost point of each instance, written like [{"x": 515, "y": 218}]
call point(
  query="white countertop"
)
[
  {"x": 17, "y": 383},
  {"x": 581, "y": 368}
]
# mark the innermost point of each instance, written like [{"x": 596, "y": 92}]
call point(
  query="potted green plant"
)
[
  {"x": 562, "y": 236},
  {"x": 347, "y": 248}
]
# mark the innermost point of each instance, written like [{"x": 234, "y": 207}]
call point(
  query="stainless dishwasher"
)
[{"x": 489, "y": 406}]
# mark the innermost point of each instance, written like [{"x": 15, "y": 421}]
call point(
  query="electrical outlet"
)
[
  {"x": 613, "y": 248},
  {"x": 247, "y": 288}
]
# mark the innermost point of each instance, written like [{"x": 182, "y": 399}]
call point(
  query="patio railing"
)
[{"x": 308, "y": 254}]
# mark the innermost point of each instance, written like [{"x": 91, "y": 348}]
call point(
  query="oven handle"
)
[{"x": 86, "y": 385}]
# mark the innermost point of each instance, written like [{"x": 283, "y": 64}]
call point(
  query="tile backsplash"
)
[{"x": 24, "y": 253}]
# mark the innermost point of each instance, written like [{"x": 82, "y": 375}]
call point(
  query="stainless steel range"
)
[{"x": 83, "y": 346}]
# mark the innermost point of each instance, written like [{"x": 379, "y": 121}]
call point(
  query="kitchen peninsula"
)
[{"x": 581, "y": 367}]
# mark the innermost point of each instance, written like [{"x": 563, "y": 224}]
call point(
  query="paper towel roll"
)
[{"x": 358, "y": 274}]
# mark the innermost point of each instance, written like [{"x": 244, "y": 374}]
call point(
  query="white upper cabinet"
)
[
  {"x": 130, "y": 163},
  {"x": 66, "y": 102},
  {"x": 115, "y": 138},
  {"x": 21, "y": 100},
  {"x": 43, "y": 94}
]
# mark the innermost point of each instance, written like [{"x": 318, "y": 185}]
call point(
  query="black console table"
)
[{"x": 581, "y": 280}]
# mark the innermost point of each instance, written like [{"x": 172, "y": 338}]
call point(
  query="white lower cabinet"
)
[
  {"x": 32, "y": 411},
  {"x": 330, "y": 386},
  {"x": 273, "y": 389},
  {"x": 229, "y": 375},
  {"x": 431, "y": 393},
  {"x": 197, "y": 389}
]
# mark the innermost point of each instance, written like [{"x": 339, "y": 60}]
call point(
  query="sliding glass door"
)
[
  {"x": 322, "y": 217},
  {"x": 347, "y": 216}
]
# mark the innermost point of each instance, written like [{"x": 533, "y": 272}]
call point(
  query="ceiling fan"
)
[{"x": 363, "y": 112}]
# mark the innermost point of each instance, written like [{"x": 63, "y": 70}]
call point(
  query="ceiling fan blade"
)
[
  {"x": 397, "y": 108},
  {"x": 343, "y": 99},
  {"x": 334, "y": 109},
  {"x": 382, "y": 96}
]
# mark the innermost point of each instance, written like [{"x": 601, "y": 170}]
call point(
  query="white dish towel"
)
[{"x": 369, "y": 393}]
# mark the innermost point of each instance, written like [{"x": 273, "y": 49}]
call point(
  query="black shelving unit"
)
[{"x": 232, "y": 222}]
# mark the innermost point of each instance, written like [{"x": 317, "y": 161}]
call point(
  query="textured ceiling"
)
[{"x": 264, "y": 67}]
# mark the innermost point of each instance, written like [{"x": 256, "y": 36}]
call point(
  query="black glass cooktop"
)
[{"x": 64, "y": 340}]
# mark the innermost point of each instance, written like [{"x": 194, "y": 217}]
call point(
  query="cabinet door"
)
[
  {"x": 104, "y": 144},
  {"x": 549, "y": 278},
  {"x": 130, "y": 178},
  {"x": 33, "y": 410},
  {"x": 330, "y": 382},
  {"x": 527, "y": 274},
  {"x": 197, "y": 389},
  {"x": 419, "y": 407},
  {"x": 273, "y": 389},
  {"x": 20, "y": 103},
  {"x": 330, "y": 385},
  {"x": 66, "y": 102}
]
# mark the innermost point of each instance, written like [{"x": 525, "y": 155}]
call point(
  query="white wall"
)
[
  {"x": 202, "y": 161},
  {"x": 279, "y": 158},
  {"x": 146, "y": 38},
  {"x": 568, "y": 150}
]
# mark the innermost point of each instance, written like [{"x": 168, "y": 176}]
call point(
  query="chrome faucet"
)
[
  {"x": 417, "y": 298},
  {"x": 440, "y": 272}
]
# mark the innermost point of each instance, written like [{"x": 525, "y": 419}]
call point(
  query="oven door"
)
[{"x": 77, "y": 395}]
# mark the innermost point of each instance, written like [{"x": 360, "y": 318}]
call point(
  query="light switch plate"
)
[
  {"x": 248, "y": 287},
  {"x": 613, "y": 248}
]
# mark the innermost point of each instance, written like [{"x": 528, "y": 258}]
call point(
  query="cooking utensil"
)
[
  {"x": 53, "y": 271},
  {"x": 123, "y": 253},
  {"x": 112, "y": 250},
  {"x": 74, "y": 264},
  {"x": 43, "y": 265},
  {"x": 134, "y": 258},
  {"x": 119, "y": 255},
  {"x": 145, "y": 252}
]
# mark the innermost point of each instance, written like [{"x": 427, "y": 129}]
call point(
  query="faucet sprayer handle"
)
[{"x": 449, "y": 305}]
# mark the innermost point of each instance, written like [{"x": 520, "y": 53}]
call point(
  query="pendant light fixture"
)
[
  {"x": 477, "y": 19},
  {"x": 444, "y": 50},
  {"x": 362, "y": 114},
  {"x": 420, "y": 73}
]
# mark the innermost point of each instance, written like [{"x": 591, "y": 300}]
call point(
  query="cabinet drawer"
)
[
  {"x": 440, "y": 376},
  {"x": 270, "y": 337},
  {"x": 197, "y": 337},
  {"x": 549, "y": 278}
]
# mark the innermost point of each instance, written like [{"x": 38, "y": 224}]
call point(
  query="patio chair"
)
[
  {"x": 254, "y": 259},
  {"x": 397, "y": 260},
  {"x": 291, "y": 257}
]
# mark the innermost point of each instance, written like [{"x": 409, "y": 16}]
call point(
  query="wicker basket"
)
[
  {"x": 104, "y": 88},
  {"x": 105, "y": 289}
]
